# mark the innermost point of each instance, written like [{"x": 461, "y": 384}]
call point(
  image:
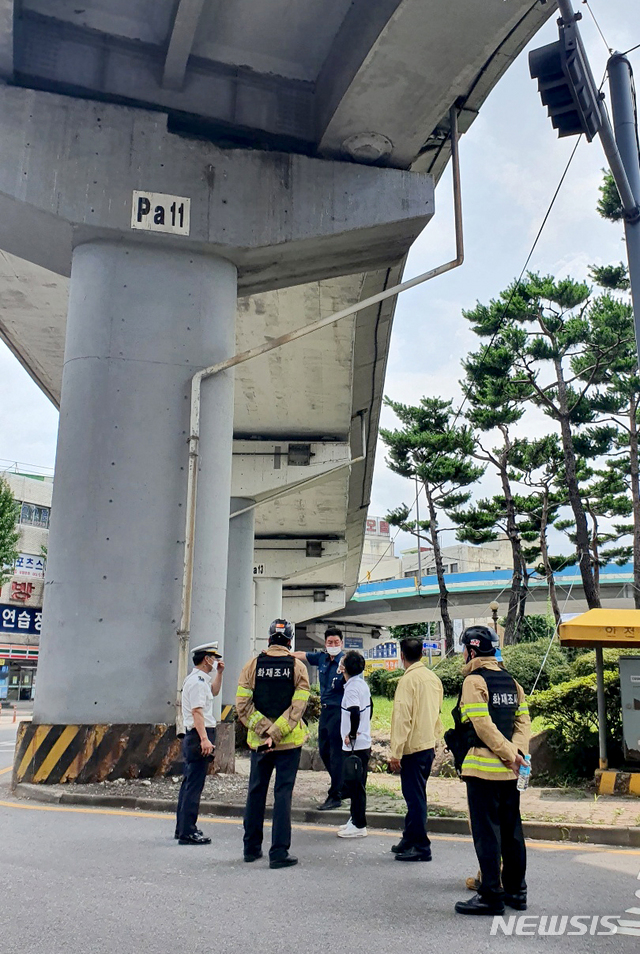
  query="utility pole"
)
[
  {"x": 418, "y": 530},
  {"x": 626, "y": 136},
  {"x": 576, "y": 107}
]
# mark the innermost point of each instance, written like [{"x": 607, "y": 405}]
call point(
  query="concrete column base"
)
[
  {"x": 616, "y": 782},
  {"x": 53, "y": 754}
]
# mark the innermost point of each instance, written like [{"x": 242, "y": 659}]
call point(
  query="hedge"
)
[
  {"x": 585, "y": 664},
  {"x": 570, "y": 710}
]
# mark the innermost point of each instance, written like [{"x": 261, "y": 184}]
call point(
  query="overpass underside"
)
[{"x": 181, "y": 180}]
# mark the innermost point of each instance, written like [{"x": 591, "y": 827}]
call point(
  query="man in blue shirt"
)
[{"x": 331, "y": 690}]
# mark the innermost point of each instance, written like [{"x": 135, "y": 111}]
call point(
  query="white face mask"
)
[{"x": 333, "y": 650}]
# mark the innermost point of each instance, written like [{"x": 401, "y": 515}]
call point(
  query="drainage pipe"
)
[{"x": 184, "y": 631}]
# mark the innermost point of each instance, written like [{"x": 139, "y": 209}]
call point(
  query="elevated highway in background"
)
[{"x": 400, "y": 602}]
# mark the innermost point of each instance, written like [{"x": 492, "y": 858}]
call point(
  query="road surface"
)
[{"x": 99, "y": 881}]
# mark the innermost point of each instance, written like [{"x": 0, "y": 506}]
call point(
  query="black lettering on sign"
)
[
  {"x": 144, "y": 207},
  {"x": 157, "y": 212}
]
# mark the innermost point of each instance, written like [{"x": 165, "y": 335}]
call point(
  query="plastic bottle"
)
[{"x": 524, "y": 774}]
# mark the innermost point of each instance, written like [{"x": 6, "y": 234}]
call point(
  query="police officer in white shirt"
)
[{"x": 199, "y": 688}]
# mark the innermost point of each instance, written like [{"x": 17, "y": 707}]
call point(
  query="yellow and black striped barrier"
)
[
  {"x": 94, "y": 753},
  {"x": 53, "y": 754},
  {"x": 228, "y": 714},
  {"x": 614, "y": 782}
]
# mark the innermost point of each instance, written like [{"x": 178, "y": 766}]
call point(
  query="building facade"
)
[{"x": 22, "y": 593}]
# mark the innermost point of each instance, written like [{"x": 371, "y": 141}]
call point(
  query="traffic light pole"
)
[
  {"x": 620, "y": 144},
  {"x": 626, "y": 136}
]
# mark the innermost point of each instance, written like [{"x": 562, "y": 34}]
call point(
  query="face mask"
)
[{"x": 333, "y": 650}]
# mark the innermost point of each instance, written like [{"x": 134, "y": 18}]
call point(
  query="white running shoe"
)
[
  {"x": 350, "y": 831},
  {"x": 349, "y": 824}
]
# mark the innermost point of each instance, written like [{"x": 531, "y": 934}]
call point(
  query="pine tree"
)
[
  {"x": 561, "y": 342},
  {"x": 8, "y": 533},
  {"x": 539, "y": 466},
  {"x": 431, "y": 446},
  {"x": 495, "y": 406}
]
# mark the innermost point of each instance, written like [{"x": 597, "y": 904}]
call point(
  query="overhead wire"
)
[{"x": 593, "y": 17}]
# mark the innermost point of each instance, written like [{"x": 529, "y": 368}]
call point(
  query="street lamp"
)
[{"x": 494, "y": 606}]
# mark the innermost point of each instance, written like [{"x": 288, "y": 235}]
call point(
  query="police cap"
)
[{"x": 209, "y": 649}]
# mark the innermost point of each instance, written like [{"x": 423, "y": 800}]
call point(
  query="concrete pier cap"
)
[{"x": 69, "y": 169}]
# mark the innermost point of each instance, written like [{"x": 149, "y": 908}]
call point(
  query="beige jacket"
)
[
  {"x": 415, "y": 720},
  {"x": 288, "y": 731},
  {"x": 488, "y": 761}
]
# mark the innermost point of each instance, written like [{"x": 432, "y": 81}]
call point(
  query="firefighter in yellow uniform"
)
[
  {"x": 495, "y": 714},
  {"x": 273, "y": 691}
]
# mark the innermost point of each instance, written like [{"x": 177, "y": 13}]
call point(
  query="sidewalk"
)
[
  {"x": 24, "y": 711},
  {"x": 555, "y": 814}
]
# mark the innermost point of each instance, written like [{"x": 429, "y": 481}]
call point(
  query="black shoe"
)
[
  {"x": 253, "y": 855},
  {"x": 196, "y": 832},
  {"x": 401, "y": 846},
  {"x": 285, "y": 862},
  {"x": 516, "y": 901},
  {"x": 478, "y": 905},
  {"x": 330, "y": 804},
  {"x": 194, "y": 839},
  {"x": 414, "y": 854}
]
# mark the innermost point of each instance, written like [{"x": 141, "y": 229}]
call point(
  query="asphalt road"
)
[
  {"x": 7, "y": 744},
  {"x": 97, "y": 881}
]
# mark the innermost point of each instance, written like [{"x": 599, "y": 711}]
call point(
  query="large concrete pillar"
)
[
  {"x": 142, "y": 320},
  {"x": 268, "y": 602},
  {"x": 239, "y": 612}
]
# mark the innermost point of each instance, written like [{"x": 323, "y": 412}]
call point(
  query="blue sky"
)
[{"x": 511, "y": 165}]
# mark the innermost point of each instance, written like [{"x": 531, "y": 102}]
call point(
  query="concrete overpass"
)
[
  {"x": 297, "y": 143},
  {"x": 400, "y": 602}
]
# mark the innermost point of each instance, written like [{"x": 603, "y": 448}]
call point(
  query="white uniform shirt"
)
[
  {"x": 356, "y": 693},
  {"x": 196, "y": 694}
]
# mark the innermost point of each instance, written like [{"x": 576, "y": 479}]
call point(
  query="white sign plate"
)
[{"x": 157, "y": 212}]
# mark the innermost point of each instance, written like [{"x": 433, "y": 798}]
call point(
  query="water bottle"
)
[{"x": 524, "y": 773}]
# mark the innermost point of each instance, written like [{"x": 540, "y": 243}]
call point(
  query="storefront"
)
[
  {"x": 19, "y": 638},
  {"x": 17, "y": 672}
]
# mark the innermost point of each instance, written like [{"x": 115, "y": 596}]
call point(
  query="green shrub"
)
[
  {"x": 312, "y": 712},
  {"x": 532, "y": 628},
  {"x": 570, "y": 710},
  {"x": 391, "y": 684},
  {"x": 449, "y": 671},
  {"x": 376, "y": 681},
  {"x": 585, "y": 664},
  {"x": 524, "y": 660}
]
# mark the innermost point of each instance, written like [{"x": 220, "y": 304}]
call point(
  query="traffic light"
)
[{"x": 566, "y": 84}]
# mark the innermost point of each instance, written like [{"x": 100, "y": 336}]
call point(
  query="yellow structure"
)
[
  {"x": 609, "y": 628},
  {"x": 598, "y": 629}
]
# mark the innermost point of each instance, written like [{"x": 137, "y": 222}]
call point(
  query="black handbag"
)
[
  {"x": 352, "y": 768},
  {"x": 461, "y": 738}
]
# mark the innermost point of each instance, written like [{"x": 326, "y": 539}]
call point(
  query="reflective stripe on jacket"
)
[
  {"x": 488, "y": 761},
  {"x": 288, "y": 731}
]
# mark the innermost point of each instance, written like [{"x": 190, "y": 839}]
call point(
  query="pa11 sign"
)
[{"x": 157, "y": 212}]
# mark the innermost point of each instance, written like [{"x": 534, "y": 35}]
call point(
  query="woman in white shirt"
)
[{"x": 355, "y": 728}]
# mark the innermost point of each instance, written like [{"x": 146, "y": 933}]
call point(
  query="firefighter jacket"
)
[
  {"x": 287, "y": 729},
  {"x": 488, "y": 760}
]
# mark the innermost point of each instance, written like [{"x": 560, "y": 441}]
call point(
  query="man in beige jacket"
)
[{"x": 415, "y": 725}]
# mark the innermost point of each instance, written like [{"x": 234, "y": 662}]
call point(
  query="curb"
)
[{"x": 543, "y": 831}]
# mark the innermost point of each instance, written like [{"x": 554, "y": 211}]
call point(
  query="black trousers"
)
[
  {"x": 195, "y": 768},
  {"x": 496, "y": 826},
  {"x": 286, "y": 764},
  {"x": 330, "y": 747},
  {"x": 414, "y": 773},
  {"x": 357, "y": 791}
]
